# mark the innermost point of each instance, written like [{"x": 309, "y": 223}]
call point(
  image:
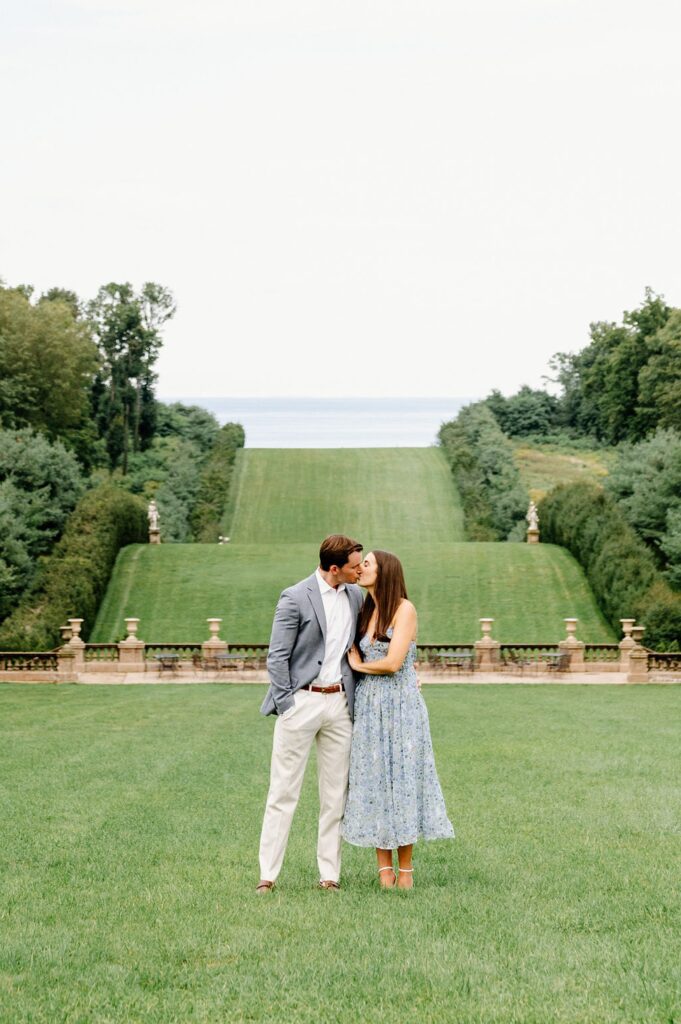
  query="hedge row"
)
[
  {"x": 73, "y": 580},
  {"x": 215, "y": 482},
  {"x": 620, "y": 569},
  {"x": 481, "y": 459}
]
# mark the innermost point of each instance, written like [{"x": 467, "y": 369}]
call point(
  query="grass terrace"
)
[{"x": 174, "y": 588}]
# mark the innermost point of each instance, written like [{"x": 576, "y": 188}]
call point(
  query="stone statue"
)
[
  {"x": 532, "y": 516},
  {"x": 152, "y": 514}
]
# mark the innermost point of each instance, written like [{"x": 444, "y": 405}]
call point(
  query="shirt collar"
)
[{"x": 324, "y": 586}]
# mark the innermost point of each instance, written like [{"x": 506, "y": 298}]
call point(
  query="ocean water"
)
[{"x": 334, "y": 422}]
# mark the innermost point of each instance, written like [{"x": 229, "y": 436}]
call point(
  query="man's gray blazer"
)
[{"x": 298, "y": 641}]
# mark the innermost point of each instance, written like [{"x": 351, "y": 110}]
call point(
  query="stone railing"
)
[
  {"x": 662, "y": 667},
  {"x": 36, "y": 663},
  {"x": 76, "y": 659}
]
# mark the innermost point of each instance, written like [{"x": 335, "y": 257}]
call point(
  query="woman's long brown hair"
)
[{"x": 390, "y": 589}]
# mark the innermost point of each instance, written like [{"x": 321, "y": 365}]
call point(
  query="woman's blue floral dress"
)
[{"x": 394, "y": 796}]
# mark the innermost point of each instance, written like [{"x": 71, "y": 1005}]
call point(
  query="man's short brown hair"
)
[{"x": 336, "y": 550}]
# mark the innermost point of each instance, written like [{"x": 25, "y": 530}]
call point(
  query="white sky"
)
[{"x": 389, "y": 197}]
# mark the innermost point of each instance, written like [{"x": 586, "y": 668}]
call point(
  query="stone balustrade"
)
[{"x": 132, "y": 656}]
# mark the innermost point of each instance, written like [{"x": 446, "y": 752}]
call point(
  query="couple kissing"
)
[{"x": 342, "y": 675}]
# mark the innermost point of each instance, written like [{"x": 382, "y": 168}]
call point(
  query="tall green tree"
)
[
  {"x": 660, "y": 378},
  {"x": 646, "y": 483},
  {"x": 66, "y": 296},
  {"x": 602, "y": 383},
  {"x": 40, "y": 483},
  {"x": 529, "y": 411},
  {"x": 127, "y": 328},
  {"x": 48, "y": 361}
]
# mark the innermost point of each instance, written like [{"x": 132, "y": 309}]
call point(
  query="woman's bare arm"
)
[{"x": 404, "y": 631}]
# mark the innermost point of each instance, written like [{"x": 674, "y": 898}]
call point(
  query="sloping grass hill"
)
[
  {"x": 382, "y": 496},
  {"x": 404, "y": 500},
  {"x": 543, "y": 466}
]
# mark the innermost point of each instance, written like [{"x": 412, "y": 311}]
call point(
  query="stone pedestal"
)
[
  {"x": 76, "y": 645},
  {"x": 638, "y": 666},
  {"x": 533, "y": 536},
  {"x": 486, "y": 649},
  {"x": 572, "y": 646},
  {"x": 575, "y": 649},
  {"x": 627, "y": 643},
  {"x": 131, "y": 650},
  {"x": 154, "y": 536},
  {"x": 131, "y": 655},
  {"x": 67, "y": 672}
]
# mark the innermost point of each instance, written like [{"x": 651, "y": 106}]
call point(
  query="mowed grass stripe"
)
[
  {"x": 174, "y": 588},
  {"x": 391, "y": 495}
]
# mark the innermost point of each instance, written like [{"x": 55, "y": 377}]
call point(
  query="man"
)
[{"x": 312, "y": 692}]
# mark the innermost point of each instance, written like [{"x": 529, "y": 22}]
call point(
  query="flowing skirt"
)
[{"x": 394, "y": 795}]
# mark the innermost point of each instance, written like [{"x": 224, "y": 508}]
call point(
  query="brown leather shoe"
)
[
  {"x": 329, "y": 885},
  {"x": 264, "y": 886}
]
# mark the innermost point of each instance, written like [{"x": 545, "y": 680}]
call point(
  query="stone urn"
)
[
  {"x": 571, "y": 628},
  {"x": 131, "y": 627},
  {"x": 486, "y": 627},
  {"x": 214, "y": 628},
  {"x": 76, "y": 625},
  {"x": 627, "y": 626},
  {"x": 637, "y": 633}
]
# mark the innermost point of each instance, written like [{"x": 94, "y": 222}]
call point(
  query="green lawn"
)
[
  {"x": 174, "y": 588},
  {"x": 543, "y": 466},
  {"x": 383, "y": 497},
  {"x": 402, "y": 499},
  {"x": 131, "y": 819}
]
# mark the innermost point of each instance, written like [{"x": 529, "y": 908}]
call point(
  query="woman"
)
[{"x": 394, "y": 796}]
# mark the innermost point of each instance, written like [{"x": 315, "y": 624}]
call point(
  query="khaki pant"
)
[{"x": 323, "y": 718}]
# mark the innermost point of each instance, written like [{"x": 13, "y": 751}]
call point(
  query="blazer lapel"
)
[{"x": 317, "y": 603}]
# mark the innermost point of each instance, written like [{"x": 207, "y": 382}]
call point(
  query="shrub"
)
[
  {"x": 72, "y": 582},
  {"x": 215, "y": 483},
  {"x": 620, "y": 569},
  {"x": 481, "y": 459},
  {"x": 169, "y": 470}
]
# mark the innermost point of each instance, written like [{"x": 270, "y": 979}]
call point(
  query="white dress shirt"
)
[{"x": 338, "y": 626}]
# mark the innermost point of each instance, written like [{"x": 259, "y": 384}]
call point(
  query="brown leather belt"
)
[{"x": 335, "y": 688}]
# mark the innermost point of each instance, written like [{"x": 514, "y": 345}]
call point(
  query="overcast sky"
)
[{"x": 426, "y": 197}]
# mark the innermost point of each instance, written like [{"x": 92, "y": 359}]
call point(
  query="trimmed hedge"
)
[
  {"x": 73, "y": 580},
  {"x": 621, "y": 571},
  {"x": 215, "y": 482},
  {"x": 481, "y": 459}
]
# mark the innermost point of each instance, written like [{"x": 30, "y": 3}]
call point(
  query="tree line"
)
[
  {"x": 621, "y": 391},
  {"x": 84, "y": 440},
  {"x": 621, "y": 387},
  {"x": 83, "y": 372}
]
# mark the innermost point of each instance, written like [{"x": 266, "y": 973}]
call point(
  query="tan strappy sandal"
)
[
  {"x": 406, "y": 871},
  {"x": 390, "y": 885}
]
